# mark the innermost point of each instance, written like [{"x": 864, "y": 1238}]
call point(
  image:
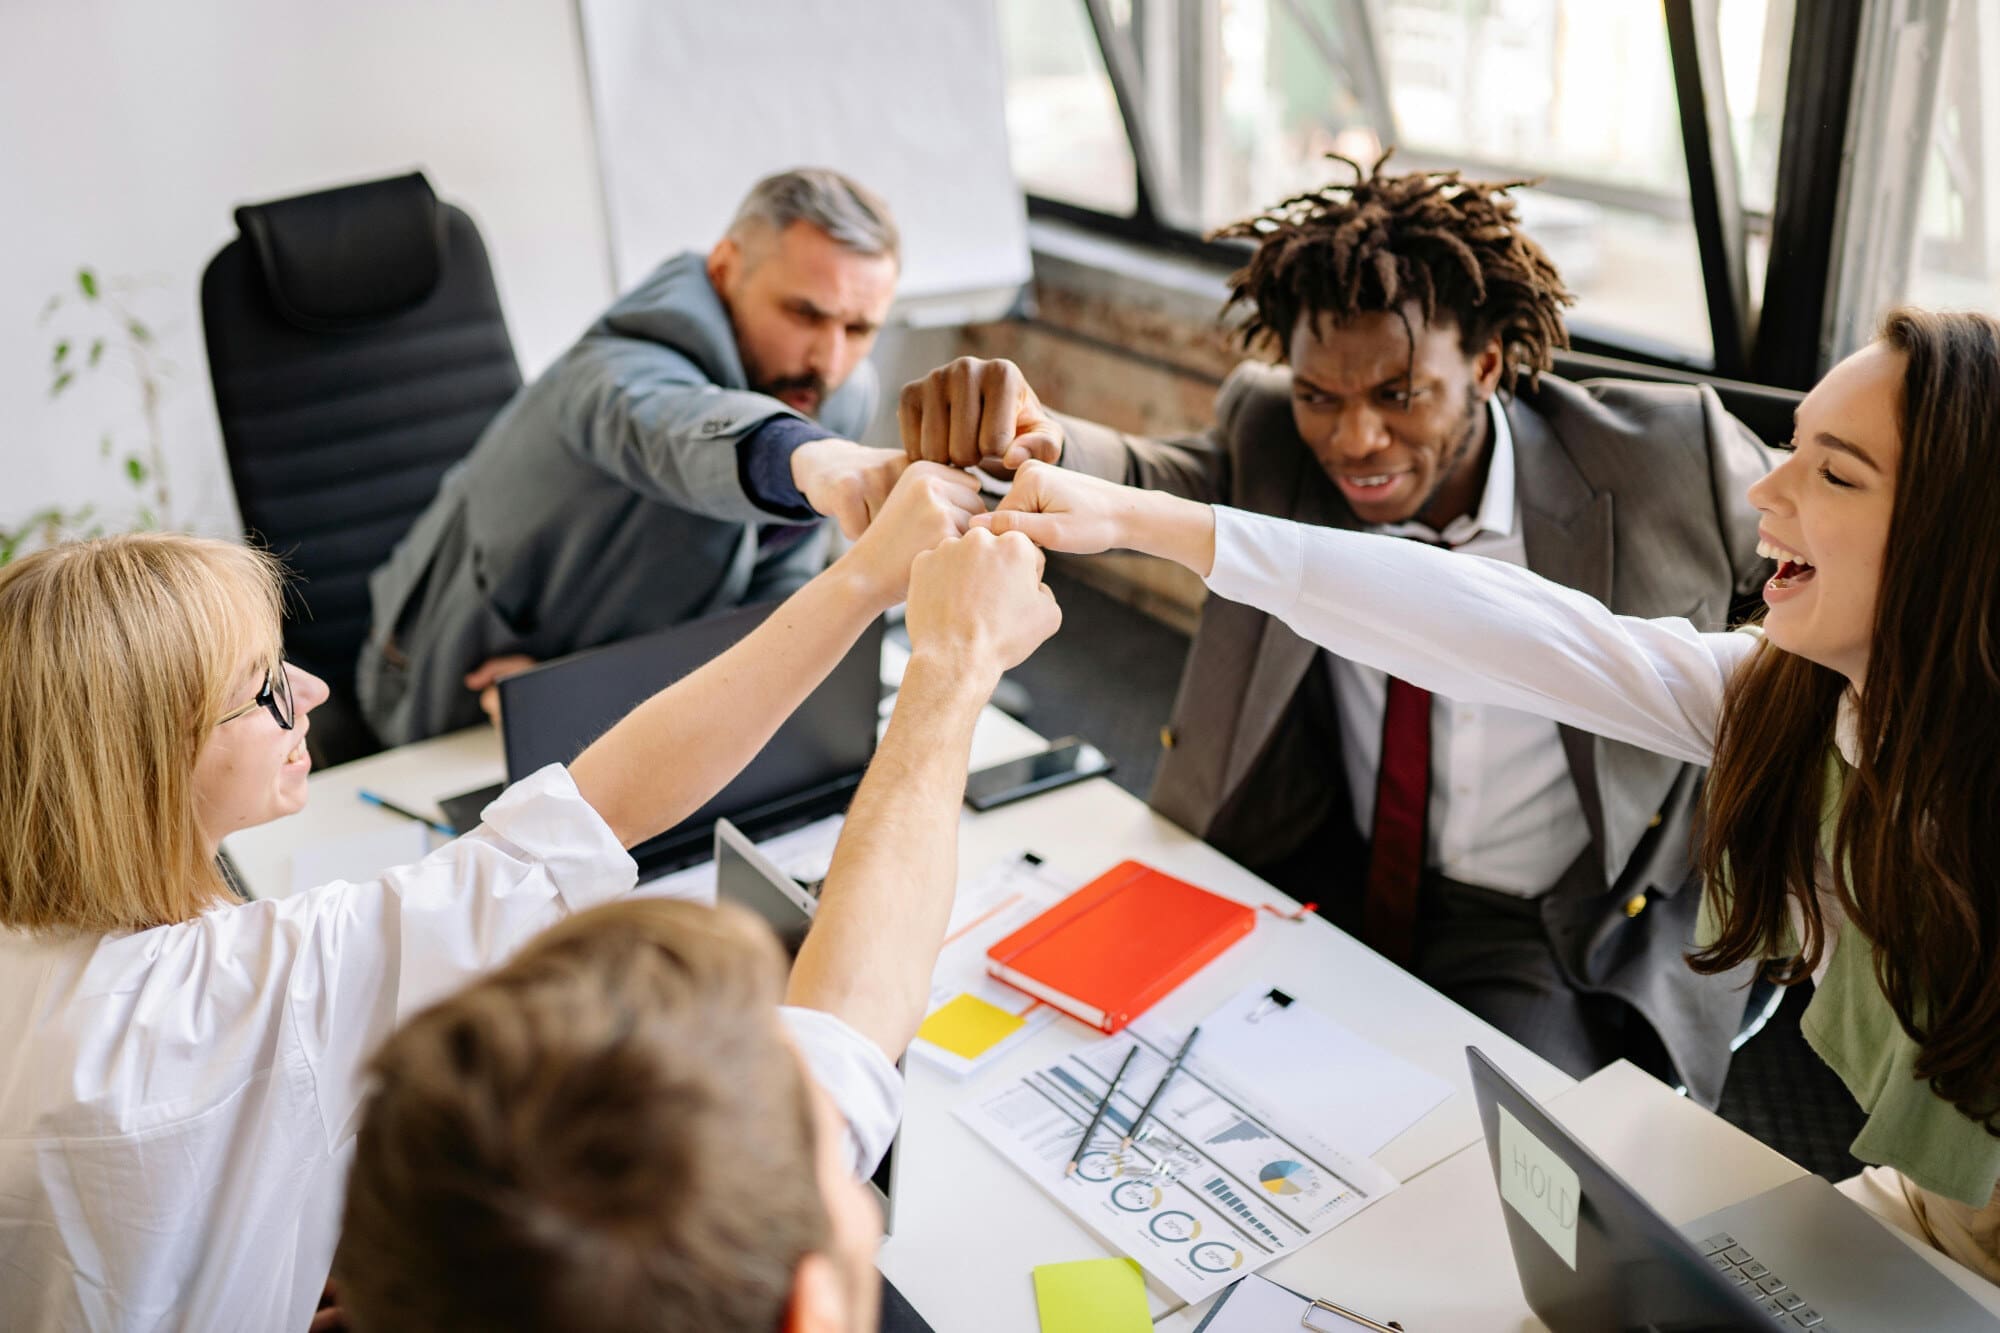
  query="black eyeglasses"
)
[{"x": 276, "y": 695}]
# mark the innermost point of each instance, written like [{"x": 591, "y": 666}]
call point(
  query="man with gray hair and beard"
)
[{"x": 675, "y": 462}]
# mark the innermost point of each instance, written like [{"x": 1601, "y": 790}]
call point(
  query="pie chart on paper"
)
[{"x": 1288, "y": 1178}]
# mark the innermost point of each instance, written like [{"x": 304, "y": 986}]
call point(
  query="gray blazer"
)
[
  {"x": 1633, "y": 493},
  {"x": 601, "y": 503}
]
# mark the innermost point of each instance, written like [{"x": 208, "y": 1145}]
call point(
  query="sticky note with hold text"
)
[{"x": 1540, "y": 1186}]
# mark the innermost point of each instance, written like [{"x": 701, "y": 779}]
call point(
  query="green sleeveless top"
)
[{"x": 1850, "y": 1025}]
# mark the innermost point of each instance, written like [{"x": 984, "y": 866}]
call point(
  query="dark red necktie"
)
[{"x": 1402, "y": 804}]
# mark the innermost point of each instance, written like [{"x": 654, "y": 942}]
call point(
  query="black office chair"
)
[{"x": 357, "y": 349}]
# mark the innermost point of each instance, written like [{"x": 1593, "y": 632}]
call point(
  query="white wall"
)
[{"x": 131, "y": 129}]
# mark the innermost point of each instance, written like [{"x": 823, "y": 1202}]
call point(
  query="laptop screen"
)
[
  {"x": 1593, "y": 1256},
  {"x": 746, "y": 877},
  {"x": 816, "y": 757}
]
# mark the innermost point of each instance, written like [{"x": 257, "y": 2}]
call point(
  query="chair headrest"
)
[{"x": 341, "y": 258}]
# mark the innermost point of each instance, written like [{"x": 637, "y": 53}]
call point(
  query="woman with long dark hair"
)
[{"x": 1854, "y": 733}]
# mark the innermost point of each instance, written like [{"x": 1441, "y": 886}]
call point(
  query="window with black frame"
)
[
  {"x": 1233, "y": 104},
  {"x": 1919, "y": 224}
]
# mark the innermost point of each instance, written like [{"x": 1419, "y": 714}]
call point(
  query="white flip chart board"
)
[{"x": 695, "y": 101}]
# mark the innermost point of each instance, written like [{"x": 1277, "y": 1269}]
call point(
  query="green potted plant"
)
[{"x": 101, "y": 338}]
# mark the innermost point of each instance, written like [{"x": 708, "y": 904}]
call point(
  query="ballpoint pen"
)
[
  {"x": 394, "y": 809},
  {"x": 1098, "y": 1115},
  {"x": 1132, "y": 1130}
]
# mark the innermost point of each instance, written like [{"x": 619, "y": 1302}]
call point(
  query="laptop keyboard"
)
[{"x": 1787, "y": 1308}]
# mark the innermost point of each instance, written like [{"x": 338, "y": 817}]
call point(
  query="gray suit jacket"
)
[
  {"x": 1633, "y": 493},
  {"x": 603, "y": 502}
]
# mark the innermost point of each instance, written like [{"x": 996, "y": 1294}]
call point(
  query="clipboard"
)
[
  {"x": 1352, "y": 1093},
  {"x": 1264, "y": 1301}
]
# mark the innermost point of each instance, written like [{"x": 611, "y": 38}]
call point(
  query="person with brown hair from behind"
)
[{"x": 641, "y": 1122}]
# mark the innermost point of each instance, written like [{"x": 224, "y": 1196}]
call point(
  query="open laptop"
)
[
  {"x": 746, "y": 877},
  {"x": 808, "y": 770},
  {"x": 1594, "y": 1257}
]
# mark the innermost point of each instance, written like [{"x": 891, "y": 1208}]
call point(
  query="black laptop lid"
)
[
  {"x": 549, "y": 714},
  {"x": 1631, "y": 1270}
]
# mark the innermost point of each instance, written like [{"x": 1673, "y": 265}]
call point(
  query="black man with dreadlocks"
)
[{"x": 1536, "y": 875}]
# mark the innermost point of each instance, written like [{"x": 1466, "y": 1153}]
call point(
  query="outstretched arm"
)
[
  {"x": 975, "y": 413},
  {"x": 1468, "y": 628},
  {"x": 649, "y": 416},
  {"x": 977, "y": 607},
  {"x": 676, "y": 750}
]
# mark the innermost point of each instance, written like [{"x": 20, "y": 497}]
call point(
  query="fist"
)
[
  {"x": 1067, "y": 511},
  {"x": 975, "y": 412},
  {"x": 847, "y": 482},
  {"x": 929, "y": 504},
  {"x": 980, "y": 601}
]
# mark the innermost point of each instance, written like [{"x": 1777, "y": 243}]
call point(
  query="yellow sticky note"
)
[
  {"x": 968, "y": 1026},
  {"x": 1093, "y": 1296}
]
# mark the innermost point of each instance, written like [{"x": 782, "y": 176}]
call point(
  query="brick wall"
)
[{"x": 1143, "y": 365}]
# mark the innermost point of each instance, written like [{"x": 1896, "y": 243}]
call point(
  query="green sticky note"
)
[
  {"x": 1540, "y": 1186},
  {"x": 1093, "y": 1296},
  {"x": 968, "y": 1026}
]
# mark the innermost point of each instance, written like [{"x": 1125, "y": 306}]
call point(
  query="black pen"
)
[
  {"x": 395, "y": 809},
  {"x": 1098, "y": 1115},
  {"x": 1132, "y": 1130}
]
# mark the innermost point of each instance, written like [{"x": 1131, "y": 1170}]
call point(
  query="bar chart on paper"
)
[{"x": 1208, "y": 1191}]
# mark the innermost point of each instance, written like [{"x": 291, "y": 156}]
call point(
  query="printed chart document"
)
[
  {"x": 1284, "y": 1059},
  {"x": 973, "y": 1019},
  {"x": 1210, "y": 1191}
]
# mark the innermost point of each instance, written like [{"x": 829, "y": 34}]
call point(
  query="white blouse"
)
[
  {"x": 1483, "y": 631},
  {"x": 178, "y": 1105}
]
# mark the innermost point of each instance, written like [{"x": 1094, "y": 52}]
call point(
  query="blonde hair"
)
[
  {"x": 120, "y": 655},
  {"x": 563, "y": 1143}
]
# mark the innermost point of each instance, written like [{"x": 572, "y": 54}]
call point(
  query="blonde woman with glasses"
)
[{"x": 181, "y": 1077}]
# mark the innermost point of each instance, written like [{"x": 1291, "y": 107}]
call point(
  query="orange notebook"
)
[{"x": 1115, "y": 947}]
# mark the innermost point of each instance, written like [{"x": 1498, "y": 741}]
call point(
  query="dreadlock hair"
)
[{"x": 1451, "y": 245}]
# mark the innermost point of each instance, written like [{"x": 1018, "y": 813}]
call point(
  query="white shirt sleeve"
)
[
  {"x": 368, "y": 956},
  {"x": 176, "y": 1104},
  {"x": 863, "y": 1084},
  {"x": 1482, "y": 631}
]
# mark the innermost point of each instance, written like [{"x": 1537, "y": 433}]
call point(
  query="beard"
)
[
  {"x": 1455, "y": 456},
  {"x": 806, "y": 383}
]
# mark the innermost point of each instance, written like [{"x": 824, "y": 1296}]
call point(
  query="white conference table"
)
[
  {"x": 969, "y": 1227},
  {"x": 1434, "y": 1255}
]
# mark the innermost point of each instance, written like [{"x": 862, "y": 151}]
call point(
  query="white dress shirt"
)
[
  {"x": 1504, "y": 811},
  {"x": 1483, "y": 631},
  {"x": 178, "y": 1105}
]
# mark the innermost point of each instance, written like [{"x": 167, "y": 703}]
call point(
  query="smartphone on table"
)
[{"x": 1065, "y": 761}]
